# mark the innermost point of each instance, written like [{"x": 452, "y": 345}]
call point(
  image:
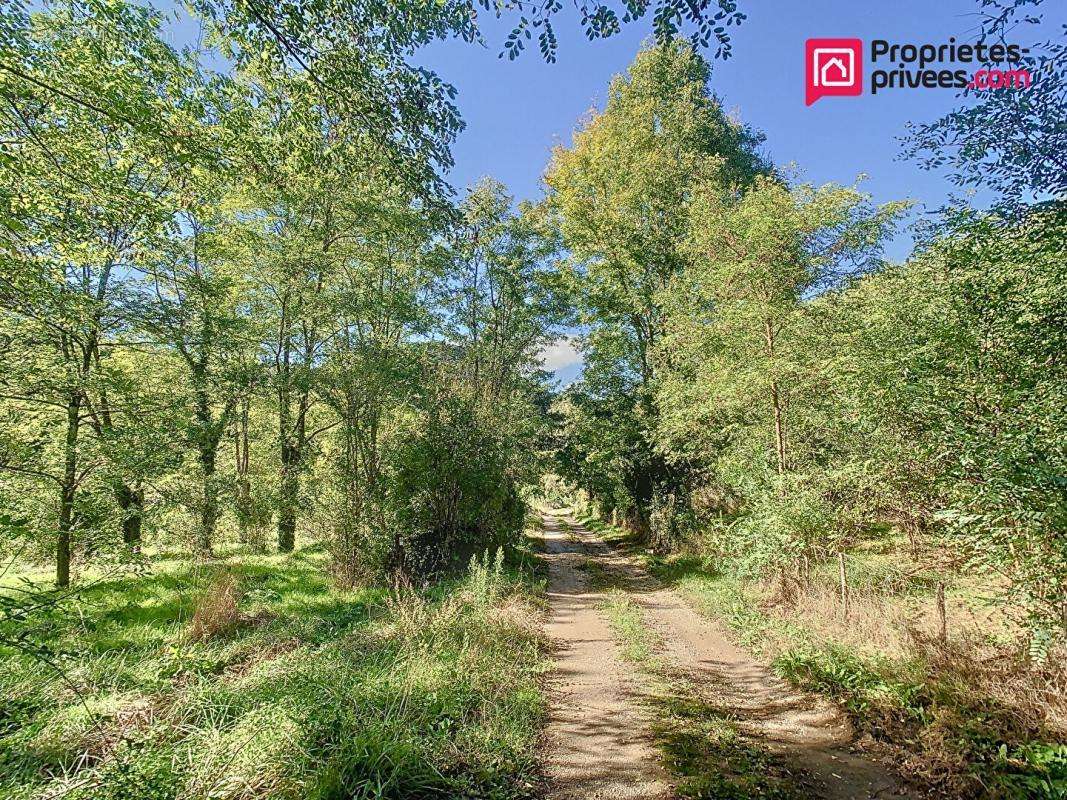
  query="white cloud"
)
[{"x": 559, "y": 354}]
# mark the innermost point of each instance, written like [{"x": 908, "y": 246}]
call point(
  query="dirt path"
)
[
  {"x": 807, "y": 733},
  {"x": 597, "y": 741}
]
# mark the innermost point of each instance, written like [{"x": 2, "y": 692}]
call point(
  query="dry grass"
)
[
  {"x": 216, "y": 611},
  {"x": 1031, "y": 694},
  {"x": 979, "y": 653}
]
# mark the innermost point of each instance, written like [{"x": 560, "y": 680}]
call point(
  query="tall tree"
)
[
  {"x": 380, "y": 300},
  {"x": 504, "y": 305},
  {"x": 312, "y": 164},
  {"x": 87, "y": 193},
  {"x": 621, "y": 194},
  {"x": 757, "y": 258},
  {"x": 738, "y": 392},
  {"x": 192, "y": 301}
]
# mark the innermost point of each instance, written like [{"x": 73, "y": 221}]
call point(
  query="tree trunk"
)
[
  {"x": 289, "y": 492},
  {"x": 209, "y": 509},
  {"x": 244, "y": 486},
  {"x": 131, "y": 502},
  {"x": 779, "y": 428},
  {"x": 244, "y": 510},
  {"x": 292, "y": 439},
  {"x": 287, "y": 488},
  {"x": 67, "y": 488},
  {"x": 776, "y": 400}
]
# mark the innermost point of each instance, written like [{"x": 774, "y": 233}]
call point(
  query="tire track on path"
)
[
  {"x": 597, "y": 739},
  {"x": 806, "y": 732}
]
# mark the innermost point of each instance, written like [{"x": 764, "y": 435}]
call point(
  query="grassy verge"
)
[
  {"x": 947, "y": 734},
  {"x": 699, "y": 740},
  {"x": 952, "y": 728},
  {"x": 307, "y": 692}
]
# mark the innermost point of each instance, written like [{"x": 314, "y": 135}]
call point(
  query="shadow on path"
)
[
  {"x": 808, "y": 735},
  {"x": 598, "y": 739}
]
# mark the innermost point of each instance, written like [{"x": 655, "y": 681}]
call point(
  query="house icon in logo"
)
[{"x": 833, "y": 67}]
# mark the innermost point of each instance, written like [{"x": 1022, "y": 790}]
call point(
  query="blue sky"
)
[{"x": 516, "y": 111}]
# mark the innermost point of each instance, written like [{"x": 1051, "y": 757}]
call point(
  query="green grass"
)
[
  {"x": 638, "y": 642},
  {"x": 317, "y": 693}
]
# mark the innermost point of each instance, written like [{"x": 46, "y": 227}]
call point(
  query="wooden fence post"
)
[
  {"x": 844, "y": 583},
  {"x": 942, "y": 621}
]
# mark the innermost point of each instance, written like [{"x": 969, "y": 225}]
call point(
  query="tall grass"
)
[{"x": 305, "y": 692}]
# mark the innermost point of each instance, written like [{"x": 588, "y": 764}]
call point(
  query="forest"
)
[{"x": 292, "y": 507}]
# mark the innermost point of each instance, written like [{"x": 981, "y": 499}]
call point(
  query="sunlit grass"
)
[{"x": 317, "y": 692}]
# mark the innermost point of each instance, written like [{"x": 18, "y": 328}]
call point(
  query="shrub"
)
[{"x": 453, "y": 493}]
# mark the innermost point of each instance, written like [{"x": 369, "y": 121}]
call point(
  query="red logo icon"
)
[{"x": 832, "y": 67}]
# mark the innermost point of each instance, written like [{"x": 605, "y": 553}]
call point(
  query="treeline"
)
[
  {"x": 241, "y": 305},
  {"x": 761, "y": 382}
]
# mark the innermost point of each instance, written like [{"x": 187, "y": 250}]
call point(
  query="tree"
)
[
  {"x": 191, "y": 301},
  {"x": 736, "y": 380},
  {"x": 756, "y": 259},
  {"x": 301, "y": 35},
  {"x": 84, "y": 197},
  {"x": 503, "y": 304},
  {"x": 975, "y": 383},
  {"x": 1011, "y": 140},
  {"x": 380, "y": 301},
  {"x": 457, "y": 480},
  {"x": 311, "y": 165},
  {"x": 621, "y": 194}
]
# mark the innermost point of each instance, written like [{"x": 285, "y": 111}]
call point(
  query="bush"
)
[{"x": 452, "y": 494}]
